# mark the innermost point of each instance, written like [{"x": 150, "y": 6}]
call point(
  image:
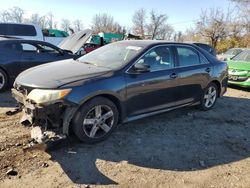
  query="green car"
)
[{"x": 239, "y": 69}]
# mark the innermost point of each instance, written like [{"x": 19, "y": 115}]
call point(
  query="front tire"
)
[
  {"x": 209, "y": 97},
  {"x": 3, "y": 80},
  {"x": 95, "y": 120}
]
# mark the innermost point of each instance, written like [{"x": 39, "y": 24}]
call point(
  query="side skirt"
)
[{"x": 133, "y": 118}]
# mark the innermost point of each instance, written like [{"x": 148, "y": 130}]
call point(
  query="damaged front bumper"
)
[{"x": 49, "y": 122}]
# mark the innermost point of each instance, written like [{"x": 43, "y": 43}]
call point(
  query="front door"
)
[{"x": 154, "y": 89}]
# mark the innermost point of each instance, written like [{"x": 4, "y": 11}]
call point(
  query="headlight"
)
[{"x": 41, "y": 96}]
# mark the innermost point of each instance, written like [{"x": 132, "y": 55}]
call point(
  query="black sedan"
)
[
  {"x": 117, "y": 83},
  {"x": 17, "y": 55}
]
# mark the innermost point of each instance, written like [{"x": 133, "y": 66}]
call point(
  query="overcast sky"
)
[{"x": 182, "y": 13}]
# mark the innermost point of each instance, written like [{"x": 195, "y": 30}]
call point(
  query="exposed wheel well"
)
[{"x": 218, "y": 86}]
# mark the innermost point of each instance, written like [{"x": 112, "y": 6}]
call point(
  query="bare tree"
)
[
  {"x": 139, "y": 22},
  {"x": 49, "y": 19},
  {"x": 14, "y": 14},
  {"x": 157, "y": 26},
  {"x": 213, "y": 25},
  {"x": 165, "y": 32},
  {"x": 34, "y": 18},
  {"x": 78, "y": 26},
  {"x": 55, "y": 25},
  {"x": 105, "y": 23},
  {"x": 5, "y": 16},
  {"x": 244, "y": 13},
  {"x": 65, "y": 24},
  {"x": 191, "y": 34},
  {"x": 179, "y": 37},
  {"x": 17, "y": 14},
  {"x": 37, "y": 19}
]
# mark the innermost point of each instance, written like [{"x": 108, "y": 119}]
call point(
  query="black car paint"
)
[
  {"x": 206, "y": 47},
  {"x": 135, "y": 94},
  {"x": 14, "y": 61},
  {"x": 59, "y": 73}
]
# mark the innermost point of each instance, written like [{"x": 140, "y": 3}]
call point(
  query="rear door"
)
[
  {"x": 10, "y": 55},
  {"x": 193, "y": 73}
]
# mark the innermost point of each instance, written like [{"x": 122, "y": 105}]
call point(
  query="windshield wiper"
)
[{"x": 90, "y": 63}]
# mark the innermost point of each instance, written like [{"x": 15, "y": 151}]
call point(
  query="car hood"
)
[
  {"x": 239, "y": 65},
  {"x": 56, "y": 74},
  {"x": 75, "y": 41}
]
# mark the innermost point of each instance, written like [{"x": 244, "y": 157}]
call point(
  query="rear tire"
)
[
  {"x": 95, "y": 120},
  {"x": 4, "y": 82},
  {"x": 209, "y": 97}
]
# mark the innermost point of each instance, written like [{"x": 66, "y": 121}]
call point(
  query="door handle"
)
[
  {"x": 208, "y": 70},
  {"x": 173, "y": 76}
]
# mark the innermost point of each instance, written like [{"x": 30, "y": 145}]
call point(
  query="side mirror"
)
[{"x": 141, "y": 67}]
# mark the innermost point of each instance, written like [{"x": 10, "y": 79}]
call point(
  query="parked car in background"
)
[
  {"x": 229, "y": 54},
  {"x": 54, "y": 36},
  {"x": 22, "y": 31},
  {"x": 89, "y": 47},
  {"x": 206, "y": 47},
  {"x": 117, "y": 83},
  {"x": 98, "y": 40},
  {"x": 239, "y": 69},
  {"x": 17, "y": 55},
  {"x": 32, "y": 32}
]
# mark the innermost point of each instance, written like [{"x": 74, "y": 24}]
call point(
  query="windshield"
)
[
  {"x": 243, "y": 56},
  {"x": 113, "y": 56},
  {"x": 233, "y": 51}
]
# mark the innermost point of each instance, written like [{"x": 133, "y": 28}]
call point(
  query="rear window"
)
[
  {"x": 17, "y": 30},
  {"x": 206, "y": 47},
  {"x": 187, "y": 57}
]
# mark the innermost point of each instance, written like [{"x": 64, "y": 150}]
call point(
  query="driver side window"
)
[{"x": 159, "y": 58}]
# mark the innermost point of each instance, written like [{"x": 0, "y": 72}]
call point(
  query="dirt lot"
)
[{"x": 183, "y": 148}]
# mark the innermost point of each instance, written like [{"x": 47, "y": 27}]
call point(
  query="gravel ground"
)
[{"x": 182, "y": 148}]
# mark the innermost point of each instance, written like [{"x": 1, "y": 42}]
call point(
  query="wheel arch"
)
[
  {"x": 217, "y": 83},
  {"x": 116, "y": 101},
  {"x": 109, "y": 96}
]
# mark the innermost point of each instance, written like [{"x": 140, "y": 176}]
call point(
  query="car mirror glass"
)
[{"x": 141, "y": 67}]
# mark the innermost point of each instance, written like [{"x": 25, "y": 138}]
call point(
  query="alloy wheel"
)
[
  {"x": 210, "y": 97},
  {"x": 98, "y": 121}
]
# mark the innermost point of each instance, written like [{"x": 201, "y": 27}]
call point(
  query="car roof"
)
[
  {"x": 6, "y": 39},
  {"x": 146, "y": 43}
]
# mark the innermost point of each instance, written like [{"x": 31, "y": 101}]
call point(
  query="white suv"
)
[{"x": 23, "y": 31}]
